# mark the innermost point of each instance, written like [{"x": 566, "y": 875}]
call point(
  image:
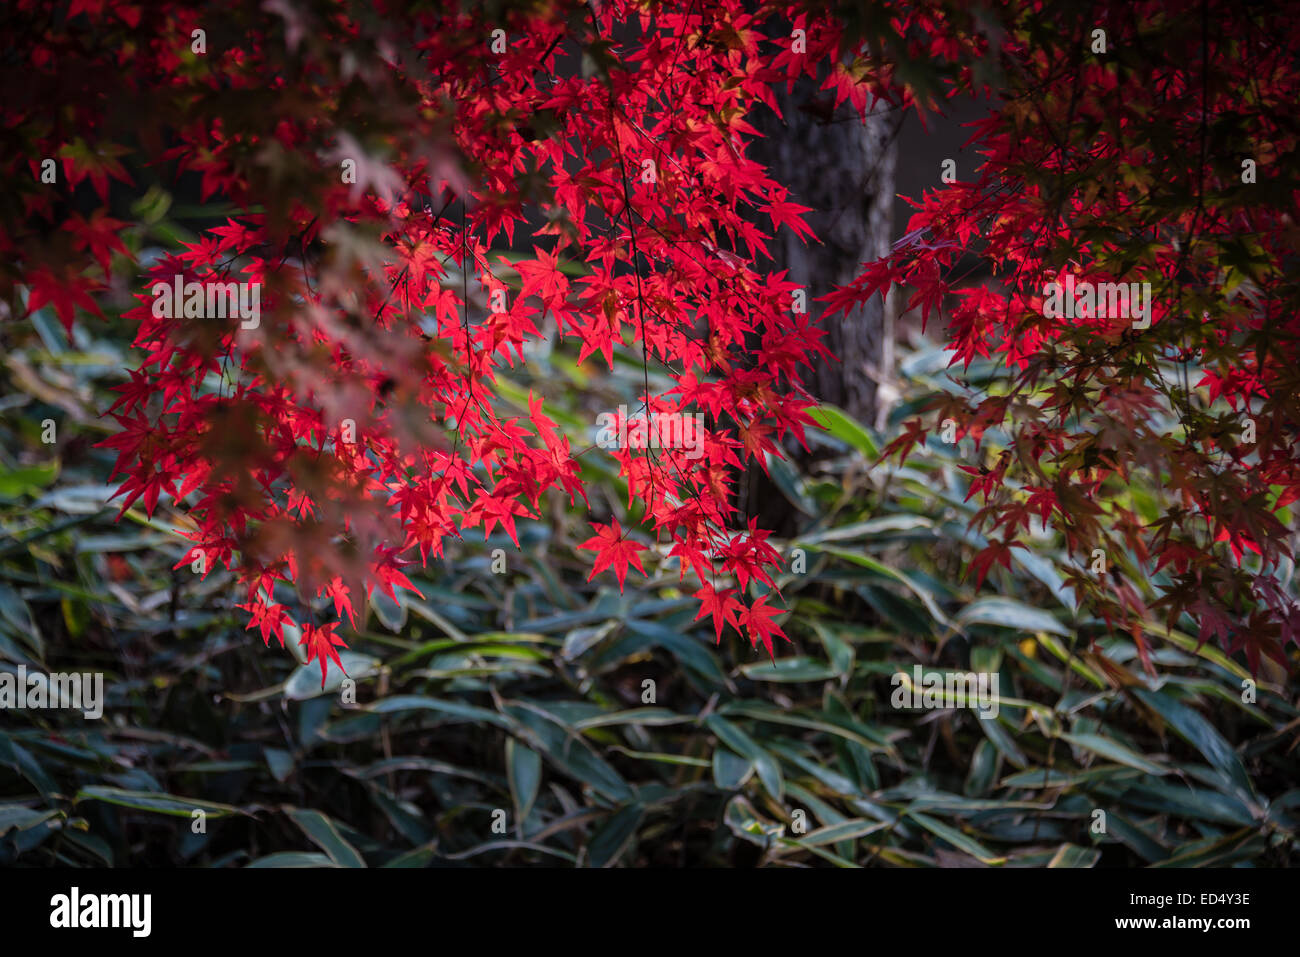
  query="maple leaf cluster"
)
[
  {"x": 1131, "y": 143},
  {"x": 362, "y": 423},
  {"x": 359, "y": 424}
]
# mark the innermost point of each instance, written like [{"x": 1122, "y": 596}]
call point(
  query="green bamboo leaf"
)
[
  {"x": 568, "y": 752},
  {"x": 730, "y": 770},
  {"x": 324, "y": 833},
  {"x": 305, "y": 682},
  {"x": 1072, "y": 855},
  {"x": 156, "y": 802},
  {"x": 1009, "y": 613},
  {"x": 511, "y": 845},
  {"x": 391, "y": 614},
  {"x": 880, "y": 568},
  {"x": 280, "y": 763},
  {"x": 22, "y": 818},
  {"x": 612, "y": 839},
  {"x": 1196, "y": 803},
  {"x": 1199, "y": 733},
  {"x": 956, "y": 838},
  {"x": 649, "y": 717},
  {"x": 1140, "y": 840},
  {"x": 28, "y": 480},
  {"x": 1114, "y": 751},
  {"x": 845, "y": 428},
  {"x": 872, "y": 528},
  {"x": 769, "y": 771},
  {"x": 1246, "y": 844},
  {"x": 468, "y": 712},
  {"x": 789, "y": 669},
  {"x": 524, "y": 773},
  {"x": 847, "y": 729},
  {"x": 842, "y": 831},
  {"x": 293, "y": 859},
  {"x": 790, "y": 483}
]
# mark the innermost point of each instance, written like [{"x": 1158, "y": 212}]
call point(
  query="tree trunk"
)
[{"x": 844, "y": 170}]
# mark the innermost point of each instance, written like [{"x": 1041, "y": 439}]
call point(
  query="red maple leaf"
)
[
  {"x": 612, "y": 549},
  {"x": 65, "y": 293},
  {"x": 722, "y": 605},
  {"x": 757, "y": 619},
  {"x": 997, "y": 552},
  {"x": 321, "y": 645}
]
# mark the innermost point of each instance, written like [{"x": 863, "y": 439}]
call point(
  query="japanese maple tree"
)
[
  {"x": 355, "y": 426},
  {"x": 379, "y": 156},
  {"x": 1141, "y": 145}
]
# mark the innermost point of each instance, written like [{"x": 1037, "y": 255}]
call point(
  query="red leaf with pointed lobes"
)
[
  {"x": 722, "y": 605},
  {"x": 352, "y": 281},
  {"x": 322, "y": 645},
  {"x": 758, "y": 624},
  {"x": 613, "y": 550}
]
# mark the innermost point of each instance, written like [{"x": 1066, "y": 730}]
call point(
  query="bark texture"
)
[{"x": 843, "y": 169}]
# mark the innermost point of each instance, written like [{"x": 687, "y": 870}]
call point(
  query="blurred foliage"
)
[{"x": 520, "y": 698}]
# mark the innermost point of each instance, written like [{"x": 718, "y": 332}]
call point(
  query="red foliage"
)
[
  {"x": 358, "y": 424},
  {"x": 1132, "y": 143}
]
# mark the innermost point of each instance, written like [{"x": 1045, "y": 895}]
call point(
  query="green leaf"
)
[
  {"x": 730, "y": 770},
  {"x": 769, "y": 771},
  {"x": 1072, "y": 855},
  {"x": 845, "y": 428},
  {"x": 324, "y": 833},
  {"x": 509, "y": 845},
  {"x": 838, "y": 651},
  {"x": 1192, "y": 802},
  {"x": 524, "y": 773},
  {"x": 740, "y": 820},
  {"x": 790, "y": 483},
  {"x": 89, "y": 499},
  {"x": 418, "y": 857},
  {"x": 305, "y": 681},
  {"x": 391, "y": 614},
  {"x": 842, "y": 831},
  {"x": 17, "y": 757},
  {"x": 468, "y": 712},
  {"x": 848, "y": 729},
  {"x": 293, "y": 859},
  {"x": 649, "y": 717},
  {"x": 872, "y": 528},
  {"x": 91, "y": 844},
  {"x": 613, "y": 838},
  {"x": 1199, "y": 733},
  {"x": 956, "y": 838},
  {"x": 983, "y": 769},
  {"x": 30, "y": 480},
  {"x": 23, "y": 818},
  {"x": 580, "y": 640},
  {"x": 1043, "y": 570},
  {"x": 1008, "y": 613},
  {"x": 280, "y": 763},
  {"x": 678, "y": 759},
  {"x": 789, "y": 669},
  {"x": 1113, "y": 751},
  {"x": 1244, "y": 845},
  {"x": 15, "y": 613},
  {"x": 568, "y": 752},
  {"x": 880, "y": 568},
  {"x": 1137, "y": 838},
  {"x": 691, "y": 652},
  {"x": 154, "y": 801}
]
